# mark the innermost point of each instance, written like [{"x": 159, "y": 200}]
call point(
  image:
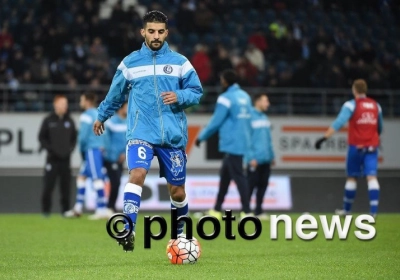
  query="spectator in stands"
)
[
  {"x": 184, "y": 17},
  {"x": 258, "y": 39},
  {"x": 247, "y": 72},
  {"x": 202, "y": 63},
  {"x": 39, "y": 67},
  {"x": 5, "y": 37},
  {"x": 255, "y": 57},
  {"x": 271, "y": 77},
  {"x": 221, "y": 62},
  {"x": 278, "y": 29},
  {"x": 203, "y": 18}
]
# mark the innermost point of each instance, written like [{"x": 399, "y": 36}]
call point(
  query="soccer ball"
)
[{"x": 183, "y": 251}]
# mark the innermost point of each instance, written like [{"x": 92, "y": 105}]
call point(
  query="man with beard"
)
[{"x": 161, "y": 84}]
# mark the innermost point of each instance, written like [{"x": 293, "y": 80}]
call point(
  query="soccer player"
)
[
  {"x": 231, "y": 119},
  {"x": 58, "y": 136},
  {"x": 114, "y": 153},
  {"x": 364, "y": 116},
  {"x": 161, "y": 84},
  {"x": 261, "y": 154},
  {"x": 91, "y": 148}
]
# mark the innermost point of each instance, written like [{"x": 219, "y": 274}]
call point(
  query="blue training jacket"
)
[
  {"x": 144, "y": 75},
  {"x": 231, "y": 119},
  {"x": 261, "y": 142},
  {"x": 86, "y": 137},
  {"x": 115, "y": 138}
]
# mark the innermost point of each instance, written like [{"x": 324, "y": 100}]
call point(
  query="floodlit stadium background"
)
[{"x": 304, "y": 54}]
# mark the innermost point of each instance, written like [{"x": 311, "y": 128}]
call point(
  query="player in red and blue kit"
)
[{"x": 364, "y": 116}]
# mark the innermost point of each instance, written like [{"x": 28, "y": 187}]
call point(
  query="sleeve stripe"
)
[
  {"x": 349, "y": 105},
  {"x": 86, "y": 119},
  {"x": 186, "y": 67},
  {"x": 224, "y": 101},
  {"x": 379, "y": 108},
  {"x": 125, "y": 71}
]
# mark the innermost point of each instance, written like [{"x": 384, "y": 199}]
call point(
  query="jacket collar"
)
[
  {"x": 147, "y": 51},
  {"x": 235, "y": 86}
]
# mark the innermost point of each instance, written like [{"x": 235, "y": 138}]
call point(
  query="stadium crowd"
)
[{"x": 273, "y": 43}]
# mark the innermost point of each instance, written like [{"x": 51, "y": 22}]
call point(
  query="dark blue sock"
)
[{"x": 182, "y": 209}]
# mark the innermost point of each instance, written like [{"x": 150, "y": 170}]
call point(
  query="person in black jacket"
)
[{"x": 58, "y": 137}]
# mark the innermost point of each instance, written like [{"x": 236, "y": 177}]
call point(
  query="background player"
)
[
  {"x": 261, "y": 153},
  {"x": 161, "y": 83},
  {"x": 91, "y": 148},
  {"x": 365, "y": 125},
  {"x": 231, "y": 119},
  {"x": 114, "y": 154}
]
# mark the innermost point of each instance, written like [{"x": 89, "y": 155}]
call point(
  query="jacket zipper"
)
[
  {"x": 182, "y": 125},
  {"x": 158, "y": 101}
]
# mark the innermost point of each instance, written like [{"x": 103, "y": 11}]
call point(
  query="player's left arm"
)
[
  {"x": 191, "y": 91},
  {"x": 380, "y": 120}
]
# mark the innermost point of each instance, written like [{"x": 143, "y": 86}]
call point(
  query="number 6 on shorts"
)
[
  {"x": 142, "y": 152},
  {"x": 139, "y": 154}
]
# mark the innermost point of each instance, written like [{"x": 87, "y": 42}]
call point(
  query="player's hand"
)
[
  {"x": 121, "y": 158},
  {"x": 169, "y": 97},
  {"x": 253, "y": 163},
  {"x": 319, "y": 142},
  {"x": 197, "y": 143},
  {"x": 98, "y": 128}
]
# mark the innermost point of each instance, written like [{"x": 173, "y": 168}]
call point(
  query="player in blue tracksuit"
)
[
  {"x": 231, "y": 119},
  {"x": 91, "y": 148},
  {"x": 261, "y": 154},
  {"x": 161, "y": 84},
  {"x": 114, "y": 154}
]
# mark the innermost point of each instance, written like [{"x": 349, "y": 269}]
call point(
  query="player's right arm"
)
[
  {"x": 343, "y": 117},
  {"x": 219, "y": 116},
  {"x": 44, "y": 136},
  {"x": 116, "y": 95},
  {"x": 85, "y": 128}
]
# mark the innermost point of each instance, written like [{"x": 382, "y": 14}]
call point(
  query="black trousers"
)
[
  {"x": 114, "y": 172},
  {"x": 232, "y": 169},
  {"x": 258, "y": 179},
  {"x": 61, "y": 169}
]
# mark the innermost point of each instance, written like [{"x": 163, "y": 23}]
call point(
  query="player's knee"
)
[
  {"x": 178, "y": 194},
  {"x": 137, "y": 176},
  {"x": 371, "y": 178}
]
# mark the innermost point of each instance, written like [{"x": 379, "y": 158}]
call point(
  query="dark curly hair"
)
[{"x": 155, "y": 16}]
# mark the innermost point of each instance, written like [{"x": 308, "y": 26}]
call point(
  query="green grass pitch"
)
[{"x": 34, "y": 247}]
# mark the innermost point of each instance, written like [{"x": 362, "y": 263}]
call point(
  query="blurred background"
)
[{"x": 303, "y": 53}]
